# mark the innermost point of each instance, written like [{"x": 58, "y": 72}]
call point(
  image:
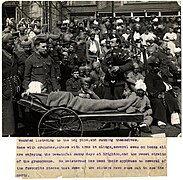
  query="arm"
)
[
  {"x": 108, "y": 57},
  {"x": 68, "y": 86},
  {"x": 21, "y": 65},
  {"x": 128, "y": 66},
  {"x": 148, "y": 110},
  {"x": 93, "y": 95},
  {"x": 53, "y": 78},
  {"x": 129, "y": 78},
  {"x": 27, "y": 74},
  {"x": 87, "y": 47}
]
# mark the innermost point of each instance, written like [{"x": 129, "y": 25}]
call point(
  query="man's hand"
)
[
  {"x": 114, "y": 68},
  {"x": 26, "y": 93},
  {"x": 161, "y": 96}
]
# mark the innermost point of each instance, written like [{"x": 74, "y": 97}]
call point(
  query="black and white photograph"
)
[{"x": 91, "y": 68}]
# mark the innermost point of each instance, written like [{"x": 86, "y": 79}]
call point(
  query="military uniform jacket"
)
[
  {"x": 39, "y": 68},
  {"x": 155, "y": 84},
  {"x": 10, "y": 79},
  {"x": 115, "y": 57}
]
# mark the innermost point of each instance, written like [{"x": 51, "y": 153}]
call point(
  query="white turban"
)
[
  {"x": 35, "y": 87},
  {"x": 140, "y": 85}
]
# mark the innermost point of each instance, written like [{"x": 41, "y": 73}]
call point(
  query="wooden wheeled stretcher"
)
[{"x": 64, "y": 122}]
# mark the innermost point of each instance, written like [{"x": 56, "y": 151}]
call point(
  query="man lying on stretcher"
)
[{"x": 136, "y": 102}]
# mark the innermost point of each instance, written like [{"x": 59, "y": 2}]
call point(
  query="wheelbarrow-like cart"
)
[{"x": 64, "y": 122}]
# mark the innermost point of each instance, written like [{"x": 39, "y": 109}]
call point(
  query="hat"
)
[
  {"x": 95, "y": 22},
  {"x": 15, "y": 34},
  {"x": 119, "y": 28},
  {"x": 155, "y": 20},
  {"x": 140, "y": 85},
  {"x": 92, "y": 32},
  {"x": 119, "y": 21},
  {"x": 41, "y": 38},
  {"x": 6, "y": 37},
  {"x": 58, "y": 22},
  {"x": 135, "y": 65},
  {"x": 85, "y": 80},
  {"x": 53, "y": 36},
  {"x": 103, "y": 41},
  {"x": 66, "y": 21},
  {"x": 6, "y": 30},
  {"x": 153, "y": 61},
  {"x": 137, "y": 25},
  {"x": 88, "y": 68},
  {"x": 137, "y": 19},
  {"x": 21, "y": 28},
  {"x": 25, "y": 43},
  {"x": 65, "y": 54},
  {"x": 75, "y": 69},
  {"x": 82, "y": 68}
]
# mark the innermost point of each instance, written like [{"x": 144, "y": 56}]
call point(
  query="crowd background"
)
[{"x": 96, "y": 58}]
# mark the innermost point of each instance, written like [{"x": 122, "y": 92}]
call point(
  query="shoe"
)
[
  {"x": 145, "y": 129},
  {"x": 162, "y": 126}
]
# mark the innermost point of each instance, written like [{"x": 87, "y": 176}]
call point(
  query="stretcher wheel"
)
[{"x": 60, "y": 122}]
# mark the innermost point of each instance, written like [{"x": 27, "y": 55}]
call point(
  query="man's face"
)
[
  {"x": 177, "y": 54},
  {"x": 92, "y": 37},
  {"x": 65, "y": 60},
  {"x": 85, "y": 86},
  {"x": 108, "y": 45},
  {"x": 10, "y": 46},
  {"x": 170, "y": 30},
  {"x": 27, "y": 49},
  {"x": 97, "y": 68},
  {"x": 42, "y": 48},
  {"x": 71, "y": 48},
  {"x": 76, "y": 74},
  {"x": 156, "y": 69},
  {"x": 136, "y": 70},
  {"x": 22, "y": 32},
  {"x": 140, "y": 93}
]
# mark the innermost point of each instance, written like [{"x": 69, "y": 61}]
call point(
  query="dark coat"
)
[
  {"x": 114, "y": 83},
  {"x": 10, "y": 88},
  {"x": 39, "y": 68},
  {"x": 166, "y": 66},
  {"x": 160, "y": 106}
]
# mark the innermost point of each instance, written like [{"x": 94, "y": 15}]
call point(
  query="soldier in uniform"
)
[
  {"x": 11, "y": 70},
  {"x": 116, "y": 63},
  {"x": 38, "y": 67},
  {"x": 55, "y": 52}
]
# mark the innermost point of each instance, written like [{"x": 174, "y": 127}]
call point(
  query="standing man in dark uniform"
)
[
  {"x": 38, "y": 67},
  {"x": 116, "y": 63},
  {"x": 55, "y": 52},
  {"x": 23, "y": 53},
  {"x": 11, "y": 70}
]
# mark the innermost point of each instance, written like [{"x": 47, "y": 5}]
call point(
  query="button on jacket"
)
[{"x": 39, "y": 68}]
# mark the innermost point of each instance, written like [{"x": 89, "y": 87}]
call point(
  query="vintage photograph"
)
[{"x": 91, "y": 68}]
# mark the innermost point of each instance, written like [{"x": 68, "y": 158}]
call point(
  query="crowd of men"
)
[{"x": 95, "y": 58}]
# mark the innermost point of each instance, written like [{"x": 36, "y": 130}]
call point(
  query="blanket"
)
[{"x": 79, "y": 104}]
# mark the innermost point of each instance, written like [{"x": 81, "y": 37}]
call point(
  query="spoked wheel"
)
[{"x": 60, "y": 122}]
